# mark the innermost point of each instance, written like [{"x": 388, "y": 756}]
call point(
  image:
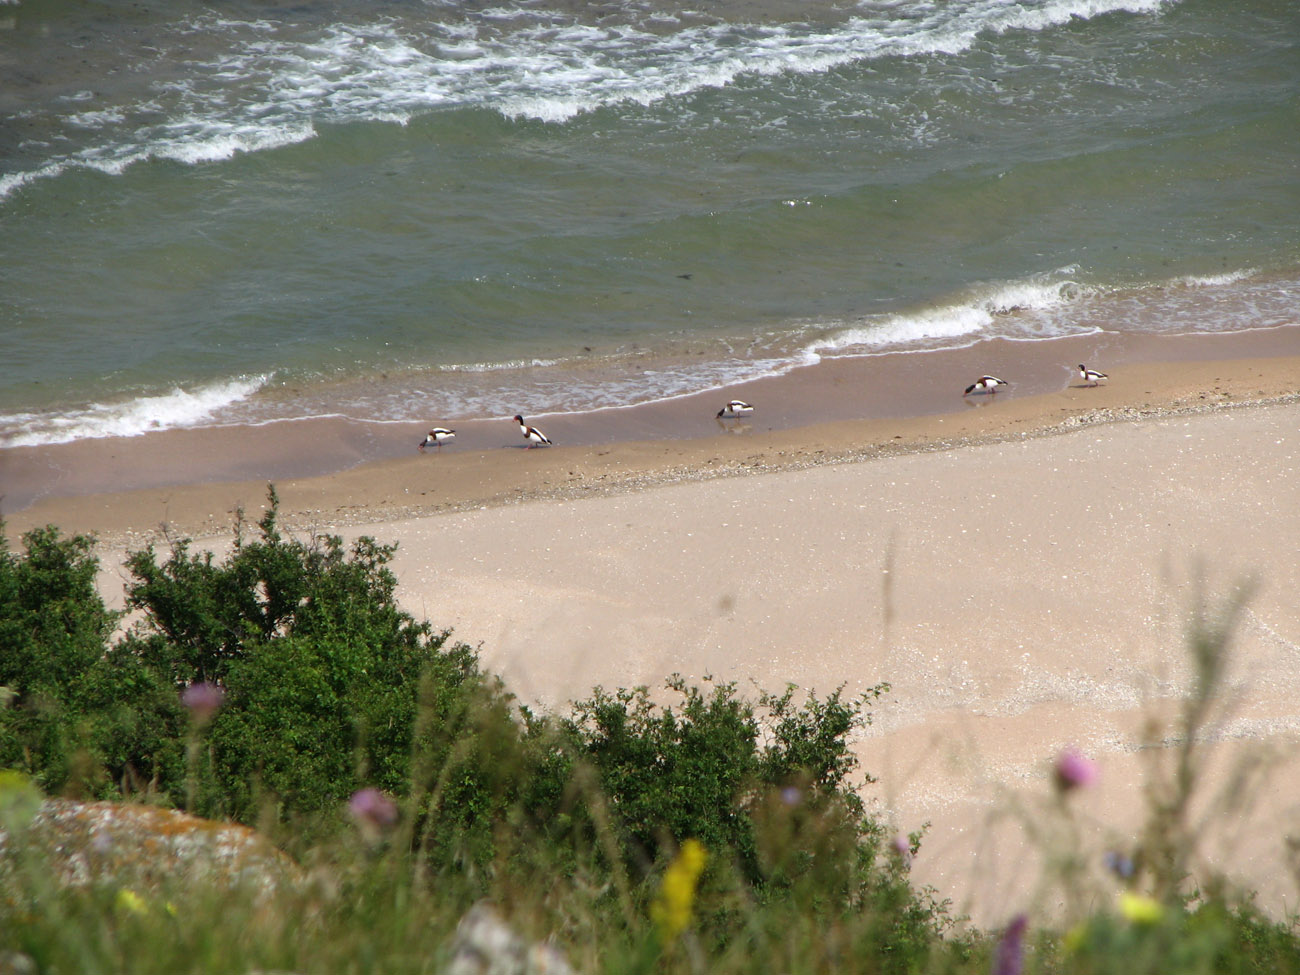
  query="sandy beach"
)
[{"x": 1019, "y": 568}]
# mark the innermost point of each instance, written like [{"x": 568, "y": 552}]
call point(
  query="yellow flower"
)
[
  {"x": 130, "y": 902},
  {"x": 1139, "y": 908},
  {"x": 1075, "y": 937},
  {"x": 671, "y": 910}
]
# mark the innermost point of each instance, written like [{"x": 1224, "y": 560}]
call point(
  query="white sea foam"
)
[
  {"x": 574, "y": 393},
  {"x": 128, "y": 418},
  {"x": 499, "y": 366},
  {"x": 272, "y": 86},
  {"x": 180, "y": 142},
  {"x": 981, "y": 313},
  {"x": 1216, "y": 280},
  {"x": 9, "y": 182}
]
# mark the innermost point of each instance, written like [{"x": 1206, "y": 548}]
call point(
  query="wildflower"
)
[
  {"x": 902, "y": 847},
  {"x": 372, "y": 809},
  {"x": 791, "y": 796},
  {"x": 1119, "y": 864},
  {"x": 129, "y": 902},
  {"x": 1075, "y": 938},
  {"x": 1074, "y": 770},
  {"x": 672, "y": 908},
  {"x": 1139, "y": 908},
  {"x": 203, "y": 700},
  {"x": 1008, "y": 959}
]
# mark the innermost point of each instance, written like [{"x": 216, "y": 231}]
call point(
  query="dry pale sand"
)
[
  {"x": 1018, "y": 597},
  {"x": 1020, "y": 572}
]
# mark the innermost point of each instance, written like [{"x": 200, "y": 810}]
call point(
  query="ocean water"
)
[{"x": 421, "y": 211}]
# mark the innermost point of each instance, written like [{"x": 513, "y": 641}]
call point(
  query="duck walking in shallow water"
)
[
  {"x": 985, "y": 384},
  {"x": 534, "y": 436},
  {"x": 737, "y": 407},
  {"x": 1091, "y": 376},
  {"x": 436, "y": 437}
]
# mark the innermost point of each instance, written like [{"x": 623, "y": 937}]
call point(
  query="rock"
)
[
  {"x": 16, "y": 963},
  {"x": 137, "y": 846},
  {"x": 486, "y": 945}
]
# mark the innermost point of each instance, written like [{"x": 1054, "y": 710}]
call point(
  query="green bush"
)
[
  {"x": 700, "y": 771},
  {"x": 83, "y": 718},
  {"x": 319, "y": 666}
]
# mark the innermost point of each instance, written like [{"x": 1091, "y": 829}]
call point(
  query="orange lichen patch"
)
[{"x": 88, "y": 843}]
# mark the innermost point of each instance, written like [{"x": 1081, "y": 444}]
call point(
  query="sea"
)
[{"x": 417, "y": 211}]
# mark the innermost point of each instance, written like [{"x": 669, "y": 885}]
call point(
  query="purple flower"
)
[
  {"x": 1120, "y": 865},
  {"x": 902, "y": 847},
  {"x": 1008, "y": 959},
  {"x": 1074, "y": 770},
  {"x": 791, "y": 796},
  {"x": 371, "y": 808},
  {"x": 203, "y": 700}
]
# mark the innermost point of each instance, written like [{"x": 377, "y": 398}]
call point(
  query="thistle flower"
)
[
  {"x": 1008, "y": 959},
  {"x": 672, "y": 908},
  {"x": 372, "y": 809},
  {"x": 902, "y": 847},
  {"x": 203, "y": 700},
  {"x": 1074, "y": 770}
]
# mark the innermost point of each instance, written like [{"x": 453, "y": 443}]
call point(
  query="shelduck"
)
[
  {"x": 534, "y": 436},
  {"x": 735, "y": 408},
  {"x": 985, "y": 384},
  {"x": 437, "y": 436},
  {"x": 1091, "y": 376}
]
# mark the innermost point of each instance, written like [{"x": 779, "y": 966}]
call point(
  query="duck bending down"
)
[
  {"x": 437, "y": 436},
  {"x": 735, "y": 408},
  {"x": 988, "y": 384}
]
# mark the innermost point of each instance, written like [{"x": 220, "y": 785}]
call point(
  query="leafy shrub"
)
[
  {"x": 83, "y": 718},
  {"x": 320, "y": 667},
  {"x": 701, "y": 770}
]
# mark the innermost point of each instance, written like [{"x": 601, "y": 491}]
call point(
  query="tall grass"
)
[{"x": 709, "y": 834}]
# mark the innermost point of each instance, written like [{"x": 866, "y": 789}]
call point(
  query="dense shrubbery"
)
[
  {"x": 690, "y": 831},
  {"x": 318, "y": 667},
  {"x": 328, "y": 686},
  {"x": 84, "y": 718}
]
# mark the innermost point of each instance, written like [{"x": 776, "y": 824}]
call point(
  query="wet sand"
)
[
  {"x": 1019, "y": 568},
  {"x": 337, "y": 471}
]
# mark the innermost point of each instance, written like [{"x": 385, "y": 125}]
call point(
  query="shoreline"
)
[{"x": 335, "y": 472}]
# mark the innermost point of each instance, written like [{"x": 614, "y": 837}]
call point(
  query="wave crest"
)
[
  {"x": 271, "y": 86},
  {"x": 130, "y": 418}
]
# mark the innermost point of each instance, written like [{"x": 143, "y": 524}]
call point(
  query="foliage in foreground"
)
[
  {"x": 708, "y": 833},
  {"x": 271, "y": 686}
]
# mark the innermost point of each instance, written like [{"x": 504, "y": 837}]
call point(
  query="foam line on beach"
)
[{"x": 133, "y": 417}]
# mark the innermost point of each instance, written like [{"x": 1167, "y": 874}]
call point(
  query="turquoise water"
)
[{"x": 432, "y": 211}]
